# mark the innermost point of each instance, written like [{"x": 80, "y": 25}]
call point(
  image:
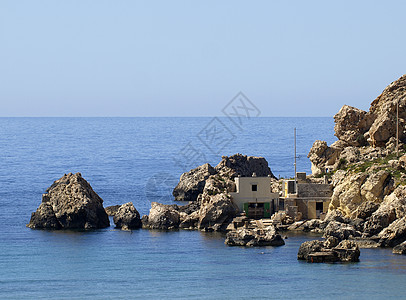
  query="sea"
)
[{"x": 140, "y": 160}]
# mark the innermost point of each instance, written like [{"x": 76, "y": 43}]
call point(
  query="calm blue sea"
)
[{"x": 140, "y": 160}]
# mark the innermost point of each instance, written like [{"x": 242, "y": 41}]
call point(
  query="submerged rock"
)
[
  {"x": 127, "y": 217},
  {"x": 70, "y": 203},
  {"x": 254, "y": 237}
]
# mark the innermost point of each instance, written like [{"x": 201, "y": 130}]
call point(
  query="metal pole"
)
[
  {"x": 397, "y": 128},
  {"x": 295, "y": 161}
]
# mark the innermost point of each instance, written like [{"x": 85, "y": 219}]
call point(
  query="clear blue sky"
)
[{"x": 189, "y": 58}]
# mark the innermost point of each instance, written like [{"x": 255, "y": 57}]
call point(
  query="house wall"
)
[{"x": 245, "y": 194}]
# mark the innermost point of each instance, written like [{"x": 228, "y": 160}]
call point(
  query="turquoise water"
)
[{"x": 135, "y": 159}]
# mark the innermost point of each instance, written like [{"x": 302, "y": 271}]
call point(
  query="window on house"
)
[
  {"x": 254, "y": 187},
  {"x": 319, "y": 206}
]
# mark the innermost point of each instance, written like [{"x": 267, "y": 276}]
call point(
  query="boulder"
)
[
  {"x": 309, "y": 247},
  {"x": 216, "y": 212},
  {"x": 164, "y": 217},
  {"x": 393, "y": 207},
  {"x": 192, "y": 183},
  {"x": 351, "y": 124},
  {"x": 400, "y": 249},
  {"x": 340, "y": 231},
  {"x": 70, "y": 203},
  {"x": 254, "y": 237},
  {"x": 377, "y": 186},
  {"x": 394, "y": 234},
  {"x": 329, "y": 251},
  {"x": 365, "y": 210},
  {"x": 111, "y": 210},
  {"x": 321, "y": 155},
  {"x": 127, "y": 217}
]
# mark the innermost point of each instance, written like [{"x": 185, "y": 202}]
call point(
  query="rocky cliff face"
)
[
  {"x": 357, "y": 128},
  {"x": 369, "y": 178},
  {"x": 70, "y": 203}
]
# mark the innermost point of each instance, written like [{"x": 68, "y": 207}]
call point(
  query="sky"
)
[{"x": 190, "y": 58}]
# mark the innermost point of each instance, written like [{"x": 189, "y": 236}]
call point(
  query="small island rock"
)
[{"x": 70, "y": 203}]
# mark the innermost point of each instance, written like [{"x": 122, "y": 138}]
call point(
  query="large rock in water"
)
[
  {"x": 329, "y": 251},
  {"x": 70, "y": 203},
  {"x": 161, "y": 216},
  {"x": 254, "y": 237},
  {"x": 127, "y": 217}
]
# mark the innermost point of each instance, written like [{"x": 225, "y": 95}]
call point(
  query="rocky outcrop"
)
[
  {"x": 216, "y": 212},
  {"x": 111, "y": 210},
  {"x": 351, "y": 190},
  {"x": 70, "y": 203},
  {"x": 254, "y": 237},
  {"x": 321, "y": 155},
  {"x": 329, "y": 251},
  {"x": 351, "y": 125},
  {"x": 244, "y": 166},
  {"x": 163, "y": 217},
  {"x": 394, "y": 234},
  {"x": 127, "y": 217},
  {"x": 341, "y": 231},
  {"x": 192, "y": 183},
  {"x": 356, "y": 128}
]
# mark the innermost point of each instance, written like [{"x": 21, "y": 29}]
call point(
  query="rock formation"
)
[
  {"x": 127, "y": 217},
  {"x": 254, "y": 237},
  {"x": 358, "y": 128},
  {"x": 70, "y": 203},
  {"x": 329, "y": 251},
  {"x": 192, "y": 183},
  {"x": 111, "y": 210},
  {"x": 161, "y": 216}
]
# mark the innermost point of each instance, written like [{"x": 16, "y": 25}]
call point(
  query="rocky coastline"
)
[{"x": 366, "y": 167}]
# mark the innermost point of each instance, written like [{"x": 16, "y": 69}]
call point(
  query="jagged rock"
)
[
  {"x": 216, "y": 212},
  {"x": 393, "y": 207},
  {"x": 253, "y": 238},
  {"x": 192, "y": 183},
  {"x": 309, "y": 247},
  {"x": 377, "y": 186},
  {"x": 366, "y": 209},
  {"x": 351, "y": 125},
  {"x": 383, "y": 110},
  {"x": 347, "y": 193},
  {"x": 191, "y": 221},
  {"x": 70, "y": 203},
  {"x": 243, "y": 165},
  {"x": 329, "y": 251},
  {"x": 394, "y": 234},
  {"x": 334, "y": 215},
  {"x": 400, "y": 249},
  {"x": 352, "y": 190},
  {"x": 340, "y": 230},
  {"x": 348, "y": 155},
  {"x": 321, "y": 156},
  {"x": 164, "y": 217},
  {"x": 127, "y": 217},
  {"x": 111, "y": 210},
  {"x": 347, "y": 251}
]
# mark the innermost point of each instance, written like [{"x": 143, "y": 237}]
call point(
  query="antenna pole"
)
[
  {"x": 397, "y": 128},
  {"x": 295, "y": 158}
]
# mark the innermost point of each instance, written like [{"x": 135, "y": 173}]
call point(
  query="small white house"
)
[{"x": 254, "y": 196}]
